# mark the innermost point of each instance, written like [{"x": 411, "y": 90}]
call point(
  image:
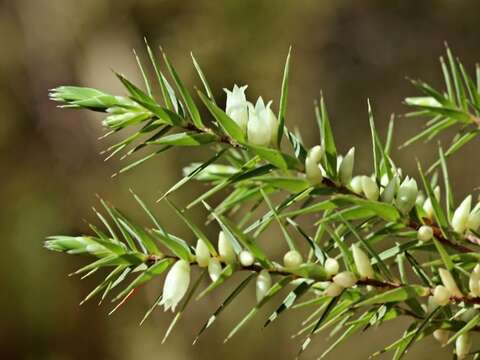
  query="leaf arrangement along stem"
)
[{"x": 377, "y": 247}]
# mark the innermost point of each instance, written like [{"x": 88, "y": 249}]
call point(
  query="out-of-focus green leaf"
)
[{"x": 189, "y": 138}]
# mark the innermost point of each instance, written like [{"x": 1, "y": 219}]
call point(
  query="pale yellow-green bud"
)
[
  {"x": 331, "y": 266},
  {"x": 225, "y": 248},
  {"x": 264, "y": 283},
  {"x": 345, "y": 279},
  {"x": 346, "y": 167},
  {"x": 312, "y": 165},
  {"x": 449, "y": 282},
  {"x": 441, "y": 295},
  {"x": 463, "y": 344},
  {"x": 292, "y": 259},
  {"x": 428, "y": 206},
  {"x": 214, "y": 269},
  {"x": 362, "y": 262},
  {"x": 420, "y": 199},
  {"x": 441, "y": 336},
  {"x": 474, "y": 218},
  {"x": 202, "y": 254},
  {"x": 370, "y": 188},
  {"x": 333, "y": 289},
  {"x": 406, "y": 195},
  {"x": 461, "y": 214},
  {"x": 356, "y": 185},
  {"x": 246, "y": 258},
  {"x": 425, "y": 233},
  {"x": 388, "y": 194},
  {"x": 474, "y": 281}
]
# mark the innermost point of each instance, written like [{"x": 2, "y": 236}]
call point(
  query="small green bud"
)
[
  {"x": 425, "y": 233},
  {"x": 292, "y": 259},
  {"x": 388, "y": 194},
  {"x": 406, "y": 195}
]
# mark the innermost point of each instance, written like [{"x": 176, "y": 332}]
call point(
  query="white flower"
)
[
  {"x": 262, "y": 124},
  {"x": 356, "y": 185},
  {"x": 474, "y": 218},
  {"x": 176, "y": 285},
  {"x": 264, "y": 283},
  {"x": 427, "y": 205},
  {"x": 333, "y": 289},
  {"x": 345, "y": 279},
  {"x": 225, "y": 248},
  {"x": 346, "y": 167},
  {"x": 463, "y": 344},
  {"x": 424, "y": 233},
  {"x": 370, "y": 188},
  {"x": 236, "y": 106},
  {"x": 214, "y": 269},
  {"x": 449, "y": 282},
  {"x": 202, "y": 254},
  {"x": 474, "y": 281},
  {"x": 388, "y": 194},
  {"x": 441, "y": 295},
  {"x": 362, "y": 262},
  {"x": 331, "y": 266},
  {"x": 246, "y": 258},
  {"x": 441, "y": 336},
  {"x": 292, "y": 259},
  {"x": 313, "y": 168},
  {"x": 407, "y": 195},
  {"x": 461, "y": 214}
]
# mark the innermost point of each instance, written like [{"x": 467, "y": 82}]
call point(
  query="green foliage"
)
[{"x": 250, "y": 174}]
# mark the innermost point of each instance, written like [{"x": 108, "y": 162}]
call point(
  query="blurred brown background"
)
[{"x": 50, "y": 167}]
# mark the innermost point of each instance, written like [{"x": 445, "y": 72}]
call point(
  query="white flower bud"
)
[
  {"x": 346, "y": 167},
  {"x": 463, "y": 344},
  {"x": 427, "y": 205},
  {"x": 461, "y": 214},
  {"x": 214, "y": 269},
  {"x": 431, "y": 305},
  {"x": 406, "y": 195},
  {"x": 202, "y": 254},
  {"x": 362, "y": 262},
  {"x": 420, "y": 199},
  {"x": 424, "y": 233},
  {"x": 262, "y": 124},
  {"x": 264, "y": 283},
  {"x": 225, "y": 248},
  {"x": 246, "y": 258},
  {"x": 345, "y": 279},
  {"x": 370, "y": 188},
  {"x": 236, "y": 106},
  {"x": 441, "y": 336},
  {"x": 331, "y": 266},
  {"x": 356, "y": 185},
  {"x": 388, "y": 194},
  {"x": 176, "y": 285},
  {"x": 473, "y": 222},
  {"x": 449, "y": 282},
  {"x": 312, "y": 165},
  {"x": 441, "y": 295},
  {"x": 292, "y": 259},
  {"x": 474, "y": 281},
  {"x": 333, "y": 289}
]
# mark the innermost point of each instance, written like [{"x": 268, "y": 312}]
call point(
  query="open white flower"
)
[
  {"x": 262, "y": 124},
  {"x": 176, "y": 285},
  {"x": 237, "y": 105}
]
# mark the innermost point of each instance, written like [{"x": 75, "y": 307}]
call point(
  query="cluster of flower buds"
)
[
  {"x": 465, "y": 218},
  {"x": 443, "y": 293},
  {"x": 258, "y": 122}
]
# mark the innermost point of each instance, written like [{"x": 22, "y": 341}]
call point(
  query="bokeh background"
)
[{"x": 51, "y": 169}]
